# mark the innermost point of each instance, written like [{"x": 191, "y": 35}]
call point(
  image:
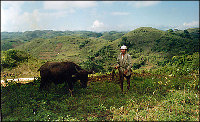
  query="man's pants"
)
[{"x": 121, "y": 79}]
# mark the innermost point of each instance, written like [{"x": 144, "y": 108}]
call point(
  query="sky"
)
[{"x": 98, "y": 16}]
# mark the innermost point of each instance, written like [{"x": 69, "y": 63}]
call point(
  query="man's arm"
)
[
  {"x": 118, "y": 62},
  {"x": 129, "y": 63}
]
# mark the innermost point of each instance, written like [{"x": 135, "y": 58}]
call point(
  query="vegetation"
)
[
  {"x": 10, "y": 40},
  {"x": 164, "y": 86},
  {"x": 184, "y": 65},
  {"x": 150, "y": 98},
  {"x": 12, "y": 58},
  {"x": 112, "y": 35}
]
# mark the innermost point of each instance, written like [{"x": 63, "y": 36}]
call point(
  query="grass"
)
[
  {"x": 149, "y": 99},
  {"x": 63, "y": 48},
  {"x": 27, "y": 69}
]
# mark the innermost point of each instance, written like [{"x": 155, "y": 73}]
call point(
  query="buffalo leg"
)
[
  {"x": 42, "y": 84},
  {"x": 70, "y": 84},
  {"x": 113, "y": 74},
  {"x": 71, "y": 92},
  {"x": 45, "y": 84}
]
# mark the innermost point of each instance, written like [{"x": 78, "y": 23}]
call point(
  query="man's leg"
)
[
  {"x": 121, "y": 80},
  {"x": 128, "y": 81}
]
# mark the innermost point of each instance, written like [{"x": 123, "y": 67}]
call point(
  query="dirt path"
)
[
  {"x": 92, "y": 78},
  {"x": 18, "y": 80}
]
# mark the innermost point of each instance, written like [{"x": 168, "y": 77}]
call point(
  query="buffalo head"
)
[{"x": 82, "y": 75}]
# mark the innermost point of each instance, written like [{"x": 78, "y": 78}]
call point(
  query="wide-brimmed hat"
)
[{"x": 123, "y": 47}]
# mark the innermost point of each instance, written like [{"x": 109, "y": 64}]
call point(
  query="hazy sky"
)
[{"x": 98, "y": 15}]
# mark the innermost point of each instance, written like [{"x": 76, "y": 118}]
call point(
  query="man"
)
[{"x": 124, "y": 65}]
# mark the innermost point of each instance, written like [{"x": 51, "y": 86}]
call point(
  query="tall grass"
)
[{"x": 149, "y": 99}]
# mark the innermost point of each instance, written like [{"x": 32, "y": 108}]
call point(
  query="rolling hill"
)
[{"x": 148, "y": 47}]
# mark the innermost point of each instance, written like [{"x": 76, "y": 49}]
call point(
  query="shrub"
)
[
  {"x": 12, "y": 58},
  {"x": 180, "y": 65}
]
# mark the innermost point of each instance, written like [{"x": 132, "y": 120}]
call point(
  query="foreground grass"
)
[{"x": 148, "y": 99}]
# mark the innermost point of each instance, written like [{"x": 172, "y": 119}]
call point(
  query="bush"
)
[
  {"x": 180, "y": 65},
  {"x": 12, "y": 58}
]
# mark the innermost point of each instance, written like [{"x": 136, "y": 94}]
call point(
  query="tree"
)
[
  {"x": 125, "y": 41},
  {"x": 12, "y": 58},
  {"x": 170, "y": 31},
  {"x": 186, "y": 34}
]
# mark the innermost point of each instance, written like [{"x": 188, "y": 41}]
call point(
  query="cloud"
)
[
  {"x": 10, "y": 14},
  {"x": 61, "y": 5},
  {"x": 101, "y": 27},
  {"x": 186, "y": 25},
  {"x": 13, "y": 18},
  {"x": 139, "y": 4},
  {"x": 12, "y": 4},
  {"x": 38, "y": 20},
  {"x": 31, "y": 20},
  {"x": 191, "y": 24},
  {"x": 108, "y": 2},
  {"x": 120, "y": 13},
  {"x": 97, "y": 24},
  {"x": 84, "y": 4}
]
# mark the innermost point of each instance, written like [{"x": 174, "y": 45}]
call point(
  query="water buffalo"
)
[{"x": 62, "y": 72}]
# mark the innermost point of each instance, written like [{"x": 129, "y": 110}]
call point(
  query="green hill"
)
[
  {"x": 147, "y": 39},
  {"x": 141, "y": 39},
  {"x": 10, "y": 40},
  {"x": 150, "y": 48},
  {"x": 63, "y": 48}
]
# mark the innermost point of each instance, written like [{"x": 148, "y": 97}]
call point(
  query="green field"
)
[{"x": 150, "y": 98}]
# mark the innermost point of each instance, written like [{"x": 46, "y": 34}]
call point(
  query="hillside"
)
[
  {"x": 63, "y": 48},
  {"x": 150, "y": 48},
  {"x": 10, "y": 40},
  {"x": 142, "y": 39},
  {"x": 147, "y": 40}
]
